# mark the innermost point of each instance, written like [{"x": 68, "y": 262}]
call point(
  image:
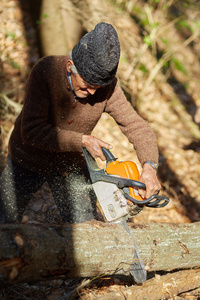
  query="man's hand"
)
[
  {"x": 150, "y": 179},
  {"x": 94, "y": 145}
]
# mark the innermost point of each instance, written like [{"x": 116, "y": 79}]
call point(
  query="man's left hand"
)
[{"x": 150, "y": 179}]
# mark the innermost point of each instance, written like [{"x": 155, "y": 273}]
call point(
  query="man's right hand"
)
[{"x": 94, "y": 145}]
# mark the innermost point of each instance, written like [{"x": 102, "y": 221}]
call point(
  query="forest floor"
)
[{"x": 18, "y": 53}]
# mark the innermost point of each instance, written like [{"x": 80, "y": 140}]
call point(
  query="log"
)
[
  {"x": 34, "y": 252},
  {"x": 160, "y": 287}
]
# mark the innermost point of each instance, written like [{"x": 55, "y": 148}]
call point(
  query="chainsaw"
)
[{"x": 116, "y": 188}]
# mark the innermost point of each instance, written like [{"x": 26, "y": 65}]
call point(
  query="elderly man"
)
[{"x": 64, "y": 99}]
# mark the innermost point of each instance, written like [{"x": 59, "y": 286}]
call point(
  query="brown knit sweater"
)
[{"x": 47, "y": 133}]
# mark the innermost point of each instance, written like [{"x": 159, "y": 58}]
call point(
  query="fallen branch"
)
[{"x": 7, "y": 104}]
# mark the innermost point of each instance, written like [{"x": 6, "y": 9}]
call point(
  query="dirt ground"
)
[{"x": 180, "y": 182}]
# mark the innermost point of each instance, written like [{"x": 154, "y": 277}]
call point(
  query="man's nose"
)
[{"x": 91, "y": 90}]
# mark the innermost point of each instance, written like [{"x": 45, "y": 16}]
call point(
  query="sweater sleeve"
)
[
  {"x": 36, "y": 128},
  {"x": 136, "y": 129}
]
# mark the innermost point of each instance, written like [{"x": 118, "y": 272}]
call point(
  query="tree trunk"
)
[
  {"x": 32, "y": 252},
  {"x": 60, "y": 30}
]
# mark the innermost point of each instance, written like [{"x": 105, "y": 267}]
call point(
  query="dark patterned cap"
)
[{"x": 96, "y": 55}]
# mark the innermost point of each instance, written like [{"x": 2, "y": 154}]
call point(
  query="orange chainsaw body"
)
[{"x": 125, "y": 169}]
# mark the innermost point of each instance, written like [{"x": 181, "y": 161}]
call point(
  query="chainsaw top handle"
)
[
  {"x": 108, "y": 155},
  {"x": 97, "y": 174}
]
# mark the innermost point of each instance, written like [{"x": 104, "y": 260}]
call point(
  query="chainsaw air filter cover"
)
[{"x": 125, "y": 169}]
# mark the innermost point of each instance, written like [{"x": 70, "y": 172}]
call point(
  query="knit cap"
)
[{"x": 96, "y": 55}]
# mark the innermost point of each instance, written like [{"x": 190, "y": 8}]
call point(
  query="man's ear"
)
[{"x": 69, "y": 63}]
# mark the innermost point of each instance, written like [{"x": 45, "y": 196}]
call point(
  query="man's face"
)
[{"x": 81, "y": 87}]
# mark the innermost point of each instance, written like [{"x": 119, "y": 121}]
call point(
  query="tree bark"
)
[{"x": 34, "y": 252}]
